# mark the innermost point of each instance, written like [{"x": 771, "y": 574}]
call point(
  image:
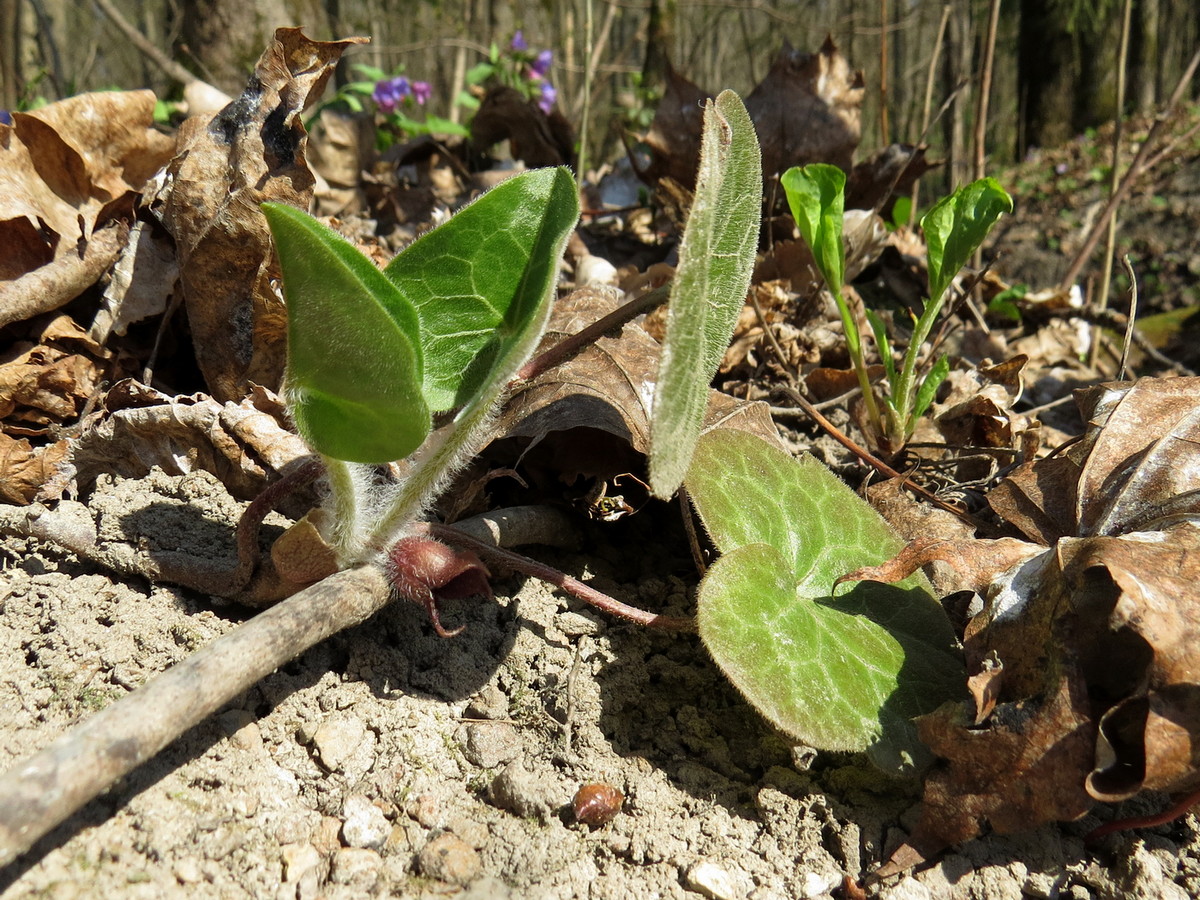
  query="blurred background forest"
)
[{"x": 1055, "y": 71}]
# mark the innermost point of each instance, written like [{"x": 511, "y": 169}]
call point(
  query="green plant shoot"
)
[
  {"x": 716, "y": 259},
  {"x": 845, "y": 672},
  {"x": 954, "y": 229},
  {"x": 372, "y": 355},
  {"x": 816, "y": 197}
]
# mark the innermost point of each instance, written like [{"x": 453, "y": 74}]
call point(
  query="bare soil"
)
[{"x": 389, "y": 762}]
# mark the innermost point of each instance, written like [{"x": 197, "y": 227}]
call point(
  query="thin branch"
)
[
  {"x": 39, "y": 793},
  {"x": 1135, "y": 169},
  {"x": 609, "y": 324}
]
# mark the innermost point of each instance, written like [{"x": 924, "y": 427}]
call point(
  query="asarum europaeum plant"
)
[{"x": 373, "y": 355}]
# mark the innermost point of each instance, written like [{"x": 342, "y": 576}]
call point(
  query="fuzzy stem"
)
[{"x": 343, "y": 498}]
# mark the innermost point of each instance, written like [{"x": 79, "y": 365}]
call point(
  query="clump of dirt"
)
[{"x": 391, "y": 762}]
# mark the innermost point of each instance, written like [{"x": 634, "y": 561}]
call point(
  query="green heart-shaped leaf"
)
[
  {"x": 716, "y": 257},
  {"x": 479, "y": 280},
  {"x": 839, "y": 673},
  {"x": 354, "y": 369}
]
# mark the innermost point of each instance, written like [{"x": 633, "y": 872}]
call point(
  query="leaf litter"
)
[{"x": 1080, "y": 656}]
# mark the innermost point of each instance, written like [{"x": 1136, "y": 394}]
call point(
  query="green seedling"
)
[
  {"x": 954, "y": 229},
  {"x": 374, "y": 355},
  {"x": 844, "y": 670}
]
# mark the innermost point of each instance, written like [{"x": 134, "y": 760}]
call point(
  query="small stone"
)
[
  {"x": 364, "y": 824},
  {"x": 474, "y": 833},
  {"x": 298, "y": 859},
  {"x": 490, "y": 745},
  {"x": 337, "y": 739},
  {"x": 716, "y": 882},
  {"x": 187, "y": 871},
  {"x": 523, "y": 792},
  {"x": 576, "y": 624},
  {"x": 242, "y": 729},
  {"x": 489, "y": 703},
  {"x": 425, "y": 809},
  {"x": 325, "y": 836},
  {"x": 356, "y": 866},
  {"x": 449, "y": 858},
  {"x": 814, "y": 884},
  {"x": 907, "y": 888}
]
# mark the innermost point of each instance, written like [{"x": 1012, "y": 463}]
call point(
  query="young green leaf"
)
[
  {"x": 354, "y": 368},
  {"x": 938, "y": 374},
  {"x": 816, "y": 197},
  {"x": 483, "y": 289},
  {"x": 956, "y": 226},
  {"x": 480, "y": 281},
  {"x": 839, "y": 673},
  {"x": 716, "y": 258}
]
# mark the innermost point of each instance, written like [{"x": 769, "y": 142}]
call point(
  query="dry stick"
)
[
  {"x": 878, "y": 464},
  {"x": 581, "y": 340},
  {"x": 981, "y": 116},
  {"x": 543, "y": 572},
  {"x": 1100, "y": 299},
  {"x": 928, "y": 107},
  {"x": 1130, "y": 326},
  {"x": 1135, "y": 169},
  {"x": 151, "y": 52},
  {"x": 43, "y": 791}
]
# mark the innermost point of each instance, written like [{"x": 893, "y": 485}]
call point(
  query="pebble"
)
[
  {"x": 908, "y": 888},
  {"x": 716, "y": 882},
  {"x": 474, "y": 833},
  {"x": 298, "y": 859},
  {"x": 364, "y": 824},
  {"x": 356, "y": 866},
  {"x": 813, "y": 884},
  {"x": 523, "y": 792},
  {"x": 337, "y": 739},
  {"x": 449, "y": 858},
  {"x": 242, "y": 729},
  {"x": 490, "y": 745},
  {"x": 489, "y": 703},
  {"x": 424, "y": 808},
  {"x": 325, "y": 836},
  {"x": 187, "y": 871}
]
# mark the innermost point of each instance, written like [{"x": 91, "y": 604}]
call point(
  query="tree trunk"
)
[
  {"x": 1143, "y": 56},
  {"x": 1045, "y": 82},
  {"x": 224, "y": 38},
  {"x": 659, "y": 36}
]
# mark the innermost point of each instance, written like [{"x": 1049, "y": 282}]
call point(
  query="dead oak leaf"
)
[{"x": 250, "y": 152}]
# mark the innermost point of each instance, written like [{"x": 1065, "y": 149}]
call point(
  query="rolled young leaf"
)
[
  {"x": 816, "y": 197},
  {"x": 956, "y": 226},
  {"x": 354, "y": 369},
  {"x": 716, "y": 257}
]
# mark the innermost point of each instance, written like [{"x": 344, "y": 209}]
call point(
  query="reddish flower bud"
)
[{"x": 425, "y": 571}]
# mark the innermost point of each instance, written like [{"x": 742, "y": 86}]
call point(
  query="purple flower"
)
[
  {"x": 549, "y": 95},
  {"x": 518, "y": 42},
  {"x": 390, "y": 92},
  {"x": 541, "y": 65},
  {"x": 421, "y": 91},
  {"x": 5, "y": 117}
]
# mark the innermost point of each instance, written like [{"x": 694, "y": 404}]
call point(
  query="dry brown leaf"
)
[
  {"x": 807, "y": 109},
  {"x": 891, "y": 172},
  {"x": 24, "y": 469},
  {"x": 591, "y": 415},
  {"x": 245, "y": 445},
  {"x": 47, "y": 383},
  {"x": 538, "y": 139},
  {"x": 674, "y": 135},
  {"x": 66, "y": 170},
  {"x": 250, "y": 152},
  {"x": 1027, "y": 768},
  {"x": 1098, "y": 636}
]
